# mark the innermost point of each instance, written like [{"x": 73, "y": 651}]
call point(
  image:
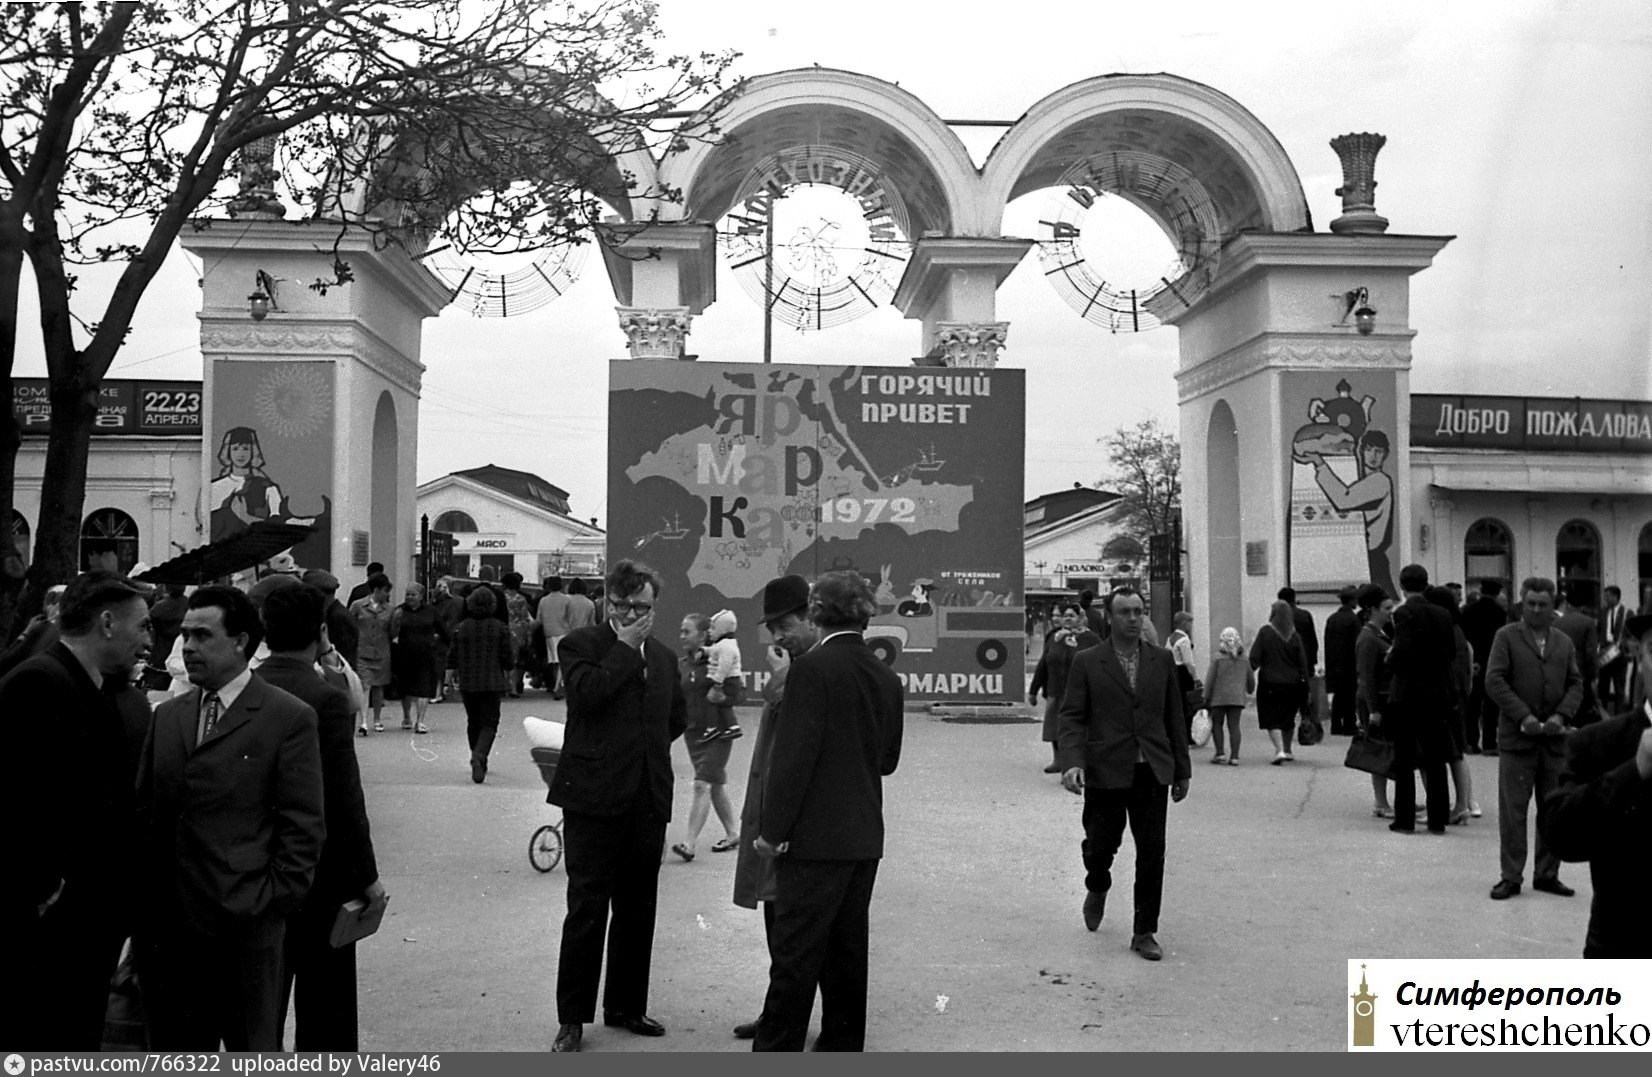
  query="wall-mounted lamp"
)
[
  {"x": 1358, "y": 303},
  {"x": 263, "y": 298}
]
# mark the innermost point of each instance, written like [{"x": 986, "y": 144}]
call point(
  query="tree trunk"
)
[
  {"x": 11, "y": 570},
  {"x": 57, "y": 534}
]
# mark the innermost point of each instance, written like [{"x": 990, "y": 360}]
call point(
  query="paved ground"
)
[{"x": 1276, "y": 876}]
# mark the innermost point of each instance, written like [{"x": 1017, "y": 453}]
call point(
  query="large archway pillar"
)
[
  {"x": 951, "y": 286},
  {"x": 1268, "y": 340},
  {"x": 311, "y": 377},
  {"x": 663, "y": 274}
]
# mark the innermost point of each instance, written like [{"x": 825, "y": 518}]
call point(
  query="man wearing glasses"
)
[{"x": 613, "y": 783}]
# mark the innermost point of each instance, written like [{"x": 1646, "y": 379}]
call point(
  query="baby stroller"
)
[{"x": 545, "y": 847}]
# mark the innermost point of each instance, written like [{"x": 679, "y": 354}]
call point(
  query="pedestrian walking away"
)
[{"x": 1124, "y": 748}]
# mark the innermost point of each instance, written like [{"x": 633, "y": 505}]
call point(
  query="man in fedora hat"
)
[
  {"x": 822, "y": 821},
  {"x": 1602, "y": 812},
  {"x": 791, "y": 633}
]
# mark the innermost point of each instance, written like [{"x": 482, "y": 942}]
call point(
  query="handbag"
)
[
  {"x": 1308, "y": 731},
  {"x": 1371, "y": 754},
  {"x": 1200, "y": 733}
]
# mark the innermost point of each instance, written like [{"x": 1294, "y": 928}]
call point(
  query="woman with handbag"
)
[
  {"x": 1228, "y": 684},
  {"x": 1071, "y": 635},
  {"x": 1281, "y": 665},
  {"x": 1373, "y": 679}
]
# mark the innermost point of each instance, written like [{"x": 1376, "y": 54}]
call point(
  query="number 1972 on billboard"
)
[{"x": 869, "y": 510}]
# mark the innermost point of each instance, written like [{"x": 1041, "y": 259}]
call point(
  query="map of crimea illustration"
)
[{"x": 847, "y": 498}]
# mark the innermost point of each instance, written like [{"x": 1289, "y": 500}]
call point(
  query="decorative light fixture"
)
[
  {"x": 262, "y": 300},
  {"x": 1357, "y": 302}
]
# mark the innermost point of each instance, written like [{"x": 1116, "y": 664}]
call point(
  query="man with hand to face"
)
[
  {"x": 613, "y": 783},
  {"x": 1123, "y": 746},
  {"x": 230, "y": 812},
  {"x": 1602, "y": 812},
  {"x": 64, "y": 913}
]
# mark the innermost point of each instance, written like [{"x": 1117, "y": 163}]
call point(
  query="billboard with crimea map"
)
[{"x": 722, "y": 476}]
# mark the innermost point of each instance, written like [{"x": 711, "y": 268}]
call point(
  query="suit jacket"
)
[
  {"x": 347, "y": 865},
  {"x": 839, "y": 735},
  {"x": 341, "y": 630},
  {"x": 1581, "y": 629},
  {"x": 1520, "y": 682},
  {"x": 1106, "y": 722},
  {"x": 1480, "y": 620},
  {"x": 1341, "y": 630},
  {"x": 231, "y": 828},
  {"x": 616, "y": 750},
  {"x": 1422, "y": 655},
  {"x": 1057, "y": 660},
  {"x": 1304, "y": 622},
  {"x": 1602, "y": 813},
  {"x": 65, "y": 786},
  {"x": 1611, "y": 624}
]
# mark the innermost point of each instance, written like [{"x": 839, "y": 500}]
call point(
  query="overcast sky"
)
[{"x": 1522, "y": 127}]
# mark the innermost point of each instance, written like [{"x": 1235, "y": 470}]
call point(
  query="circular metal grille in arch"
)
[
  {"x": 826, "y": 272},
  {"x": 1176, "y": 201}
]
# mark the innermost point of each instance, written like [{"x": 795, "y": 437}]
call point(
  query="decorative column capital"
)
[
  {"x": 655, "y": 333},
  {"x": 967, "y": 344},
  {"x": 256, "y": 197},
  {"x": 1358, "y": 153}
]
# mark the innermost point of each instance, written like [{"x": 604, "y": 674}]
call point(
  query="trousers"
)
[
  {"x": 1520, "y": 772},
  {"x": 819, "y": 939},
  {"x": 1144, "y": 806},
  {"x": 613, "y": 865},
  {"x": 200, "y": 991}
]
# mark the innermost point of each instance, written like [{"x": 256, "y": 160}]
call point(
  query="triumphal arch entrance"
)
[{"x": 1292, "y": 381}]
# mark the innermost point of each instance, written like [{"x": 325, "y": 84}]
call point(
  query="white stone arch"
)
[
  {"x": 878, "y": 120},
  {"x": 1242, "y": 165}
]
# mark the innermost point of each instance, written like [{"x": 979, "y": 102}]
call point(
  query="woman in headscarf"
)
[
  {"x": 416, "y": 631},
  {"x": 1228, "y": 686},
  {"x": 1281, "y": 666}
]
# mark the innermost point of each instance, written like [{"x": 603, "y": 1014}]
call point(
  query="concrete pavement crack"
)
[{"x": 1307, "y": 794}]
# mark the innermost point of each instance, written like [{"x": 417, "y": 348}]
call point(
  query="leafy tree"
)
[
  {"x": 1146, "y": 468},
  {"x": 122, "y": 123}
]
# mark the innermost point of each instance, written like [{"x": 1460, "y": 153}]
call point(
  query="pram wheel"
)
[{"x": 545, "y": 848}]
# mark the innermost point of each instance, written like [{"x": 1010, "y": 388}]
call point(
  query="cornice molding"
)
[{"x": 1292, "y": 352}]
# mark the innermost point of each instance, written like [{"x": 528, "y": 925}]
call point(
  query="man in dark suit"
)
[
  {"x": 791, "y": 634},
  {"x": 66, "y": 793},
  {"x": 838, "y": 737},
  {"x": 230, "y": 810},
  {"x": 1123, "y": 746},
  {"x": 1533, "y": 678},
  {"x": 1581, "y": 629},
  {"x": 342, "y": 632},
  {"x": 1614, "y": 659},
  {"x": 1417, "y": 720},
  {"x": 625, "y": 707},
  {"x": 1602, "y": 813},
  {"x": 325, "y": 999},
  {"x": 1304, "y": 622},
  {"x": 1481, "y": 619},
  {"x": 1341, "y": 676}
]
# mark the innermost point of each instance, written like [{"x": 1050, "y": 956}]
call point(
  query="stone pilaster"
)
[
  {"x": 655, "y": 332},
  {"x": 967, "y": 344}
]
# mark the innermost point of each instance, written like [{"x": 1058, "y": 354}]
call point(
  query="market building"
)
[{"x": 513, "y": 521}]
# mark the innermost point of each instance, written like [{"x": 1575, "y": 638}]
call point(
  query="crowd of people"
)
[{"x": 234, "y": 803}]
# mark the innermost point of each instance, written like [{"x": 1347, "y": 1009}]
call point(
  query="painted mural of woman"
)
[{"x": 243, "y": 492}]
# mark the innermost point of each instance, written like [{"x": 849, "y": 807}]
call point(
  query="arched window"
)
[
  {"x": 1646, "y": 568},
  {"x": 109, "y": 531},
  {"x": 1488, "y": 554},
  {"x": 454, "y": 522},
  {"x": 20, "y": 535},
  {"x": 1577, "y": 563}
]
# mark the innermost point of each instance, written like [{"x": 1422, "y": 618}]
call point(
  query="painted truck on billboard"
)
[{"x": 723, "y": 476}]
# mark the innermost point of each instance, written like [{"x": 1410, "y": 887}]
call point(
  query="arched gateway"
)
[{"x": 1294, "y": 344}]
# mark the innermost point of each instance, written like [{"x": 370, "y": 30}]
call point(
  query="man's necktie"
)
[{"x": 210, "y": 721}]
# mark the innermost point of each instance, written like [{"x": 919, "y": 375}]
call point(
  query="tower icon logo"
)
[{"x": 1365, "y": 1014}]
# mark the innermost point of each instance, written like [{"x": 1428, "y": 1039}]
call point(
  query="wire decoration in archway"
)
[
  {"x": 830, "y": 264},
  {"x": 1168, "y": 193},
  {"x": 500, "y": 292}
]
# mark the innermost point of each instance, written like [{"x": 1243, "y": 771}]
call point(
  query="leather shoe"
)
[
  {"x": 1553, "y": 886},
  {"x": 1147, "y": 946},
  {"x": 1053, "y": 768},
  {"x": 640, "y": 1025},
  {"x": 747, "y": 1031},
  {"x": 1094, "y": 906},
  {"x": 568, "y": 1039},
  {"x": 1504, "y": 890}
]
